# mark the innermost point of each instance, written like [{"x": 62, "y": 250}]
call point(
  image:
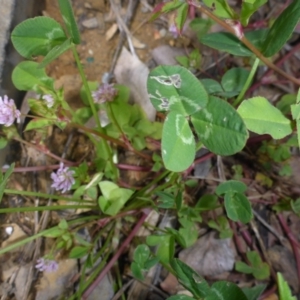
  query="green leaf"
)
[
  {"x": 220, "y": 128},
  {"x": 207, "y": 202},
  {"x": 165, "y": 200},
  {"x": 54, "y": 233},
  {"x": 82, "y": 115},
  {"x": 55, "y": 52},
  {"x": 78, "y": 252},
  {"x": 38, "y": 123},
  {"x": 176, "y": 89},
  {"x": 201, "y": 26},
  {"x": 282, "y": 29},
  {"x": 181, "y": 16},
  {"x": 285, "y": 292},
  {"x": 37, "y": 36},
  {"x": 4, "y": 179},
  {"x": 66, "y": 11},
  {"x": 224, "y": 290},
  {"x": 248, "y": 8},
  {"x": 212, "y": 86},
  {"x": 178, "y": 143},
  {"x": 227, "y": 42},
  {"x": 285, "y": 102},
  {"x": 261, "y": 117},
  {"x": 260, "y": 270},
  {"x": 165, "y": 246},
  {"x": 254, "y": 292},
  {"x": 191, "y": 280},
  {"x": 233, "y": 81},
  {"x": 137, "y": 271},
  {"x": 3, "y": 142},
  {"x": 141, "y": 254},
  {"x": 220, "y": 8},
  {"x": 27, "y": 76},
  {"x": 238, "y": 207},
  {"x": 114, "y": 198},
  {"x": 231, "y": 186}
]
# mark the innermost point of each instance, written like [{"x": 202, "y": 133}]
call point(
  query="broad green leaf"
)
[
  {"x": 27, "y": 76},
  {"x": 78, "y": 252},
  {"x": 220, "y": 8},
  {"x": 165, "y": 246},
  {"x": 212, "y": 86},
  {"x": 37, "y": 36},
  {"x": 254, "y": 292},
  {"x": 220, "y": 128},
  {"x": 191, "y": 280},
  {"x": 261, "y": 117},
  {"x": 82, "y": 115},
  {"x": 233, "y": 81},
  {"x": 141, "y": 254},
  {"x": 66, "y": 11},
  {"x": 3, "y": 142},
  {"x": 107, "y": 187},
  {"x": 55, "y": 52},
  {"x": 285, "y": 292},
  {"x": 181, "y": 15},
  {"x": 54, "y": 232},
  {"x": 224, "y": 290},
  {"x": 282, "y": 29},
  {"x": 201, "y": 26},
  {"x": 238, "y": 207},
  {"x": 137, "y": 271},
  {"x": 231, "y": 186},
  {"x": 4, "y": 179},
  {"x": 227, "y": 42},
  {"x": 176, "y": 89},
  {"x": 207, "y": 202},
  {"x": 248, "y": 8},
  {"x": 178, "y": 143},
  {"x": 261, "y": 269},
  {"x": 39, "y": 123},
  {"x": 285, "y": 102},
  {"x": 113, "y": 198}
]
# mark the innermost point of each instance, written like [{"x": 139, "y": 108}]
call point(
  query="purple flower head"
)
[
  {"x": 105, "y": 93},
  {"x": 174, "y": 30},
  {"x": 62, "y": 179},
  {"x": 49, "y": 100},
  {"x": 46, "y": 265},
  {"x": 8, "y": 111}
]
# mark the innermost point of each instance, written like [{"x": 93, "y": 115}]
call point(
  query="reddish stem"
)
[
  {"x": 110, "y": 264},
  {"x": 292, "y": 241},
  {"x": 133, "y": 168}
]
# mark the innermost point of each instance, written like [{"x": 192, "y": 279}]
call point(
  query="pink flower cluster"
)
[
  {"x": 105, "y": 93},
  {"x": 63, "y": 179},
  {"x": 8, "y": 111},
  {"x": 46, "y": 265}
]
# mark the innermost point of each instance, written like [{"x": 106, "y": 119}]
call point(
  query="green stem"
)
[
  {"x": 44, "y": 195},
  {"x": 43, "y": 208},
  {"x": 247, "y": 83},
  {"x": 108, "y": 152},
  {"x": 40, "y": 234}
]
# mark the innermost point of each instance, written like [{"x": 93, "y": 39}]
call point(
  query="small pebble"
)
[{"x": 90, "y": 23}]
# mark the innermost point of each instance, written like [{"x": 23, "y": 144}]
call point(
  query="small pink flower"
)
[
  {"x": 62, "y": 179},
  {"x": 49, "y": 100},
  {"x": 46, "y": 265},
  {"x": 174, "y": 30},
  {"x": 105, "y": 93},
  {"x": 8, "y": 111}
]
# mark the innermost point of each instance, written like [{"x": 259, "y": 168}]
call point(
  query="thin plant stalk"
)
[
  {"x": 117, "y": 254},
  {"x": 247, "y": 83},
  {"x": 108, "y": 150},
  {"x": 44, "y": 232}
]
